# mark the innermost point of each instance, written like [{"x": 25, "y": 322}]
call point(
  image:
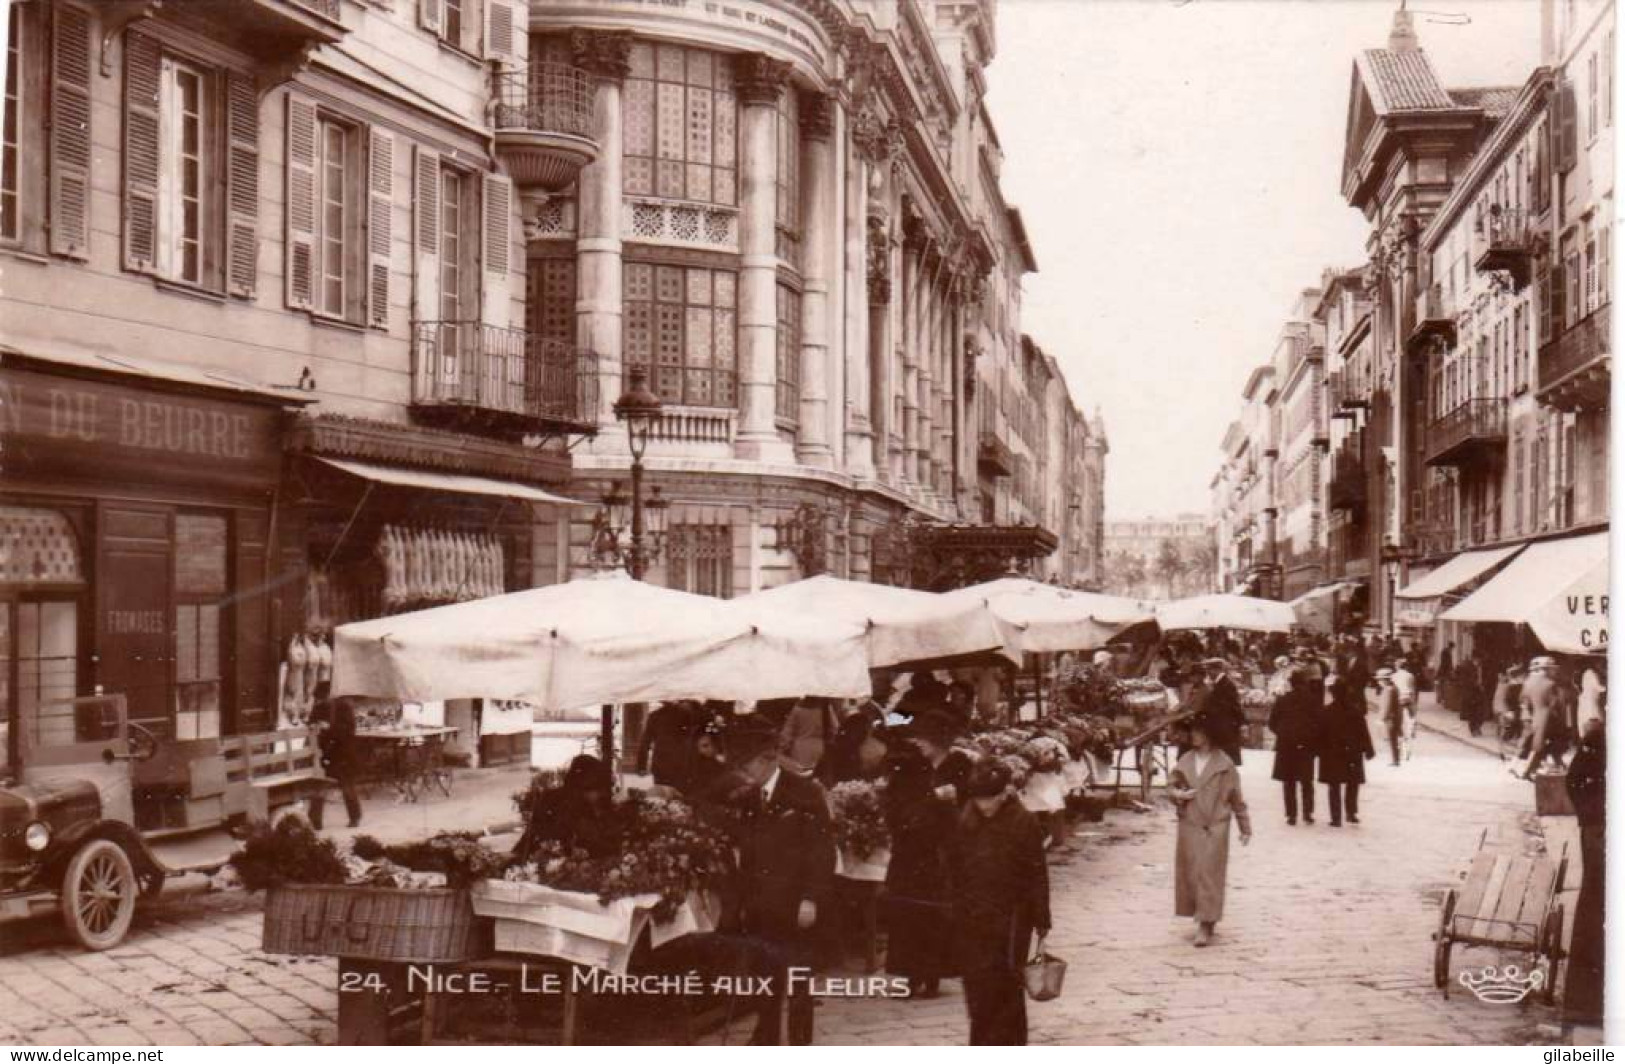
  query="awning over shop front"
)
[
  {"x": 1463, "y": 568},
  {"x": 1558, "y": 587},
  {"x": 1315, "y": 609},
  {"x": 418, "y": 478}
]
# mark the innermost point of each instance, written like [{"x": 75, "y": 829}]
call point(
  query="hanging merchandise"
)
[
  {"x": 322, "y": 659},
  {"x": 427, "y": 567},
  {"x": 293, "y": 679}
]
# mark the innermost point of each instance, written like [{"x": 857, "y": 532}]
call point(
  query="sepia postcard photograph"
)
[{"x": 804, "y": 522}]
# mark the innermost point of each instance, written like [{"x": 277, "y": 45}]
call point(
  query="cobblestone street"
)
[{"x": 1326, "y": 940}]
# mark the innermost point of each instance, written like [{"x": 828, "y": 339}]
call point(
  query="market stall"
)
[
  {"x": 1241, "y": 612},
  {"x": 1042, "y": 618}
]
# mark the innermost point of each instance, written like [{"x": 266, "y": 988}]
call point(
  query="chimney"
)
[{"x": 1402, "y": 38}]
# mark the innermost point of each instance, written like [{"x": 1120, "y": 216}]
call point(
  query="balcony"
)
[
  {"x": 994, "y": 457},
  {"x": 543, "y": 122},
  {"x": 1506, "y": 239},
  {"x": 503, "y": 382},
  {"x": 1575, "y": 368},
  {"x": 270, "y": 30},
  {"x": 1435, "y": 319},
  {"x": 1346, "y": 493},
  {"x": 1475, "y": 430}
]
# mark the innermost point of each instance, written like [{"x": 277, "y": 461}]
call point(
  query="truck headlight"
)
[{"x": 37, "y": 836}]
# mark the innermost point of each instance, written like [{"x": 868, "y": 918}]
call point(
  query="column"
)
[
  {"x": 914, "y": 262},
  {"x": 818, "y": 224},
  {"x": 606, "y": 55},
  {"x": 759, "y": 81},
  {"x": 859, "y": 293},
  {"x": 882, "y": 327}
]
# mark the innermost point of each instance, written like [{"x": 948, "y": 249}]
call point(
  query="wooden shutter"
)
[
  {"x": 426, "y": 234},
  {"x": 1555, "y": 300},
  {"x": 1568, "y": 136},
  {"x": 431, "y": 15},
  {"x": 380, "y": 202},
  {"x": 242, "y": 185},
  {"x": 499, "y": 31},
  {"x": 496, "y": 248},
  {"x": 69, "y": 208},
  {"x": 301, "y": 211}
]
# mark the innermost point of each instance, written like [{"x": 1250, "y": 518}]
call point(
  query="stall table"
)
[{"x": 410, "y": 759}]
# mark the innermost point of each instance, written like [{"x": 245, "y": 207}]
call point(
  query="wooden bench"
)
[{"x": 1508, "y": 901}]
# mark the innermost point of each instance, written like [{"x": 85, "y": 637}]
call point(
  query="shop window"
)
[
  {"x": 682, "y": 322},
  {"x": 681, "y": 127},
  {"x": 45, "y": 661},
  {"x": 191, "y": 168},
  {"x": 787, "y": 393},
  {"x": 41, "y": 578},
  {"x": 201, "y": 585}
]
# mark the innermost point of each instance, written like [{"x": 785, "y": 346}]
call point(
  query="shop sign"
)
[{"x": 84, "y": 429}]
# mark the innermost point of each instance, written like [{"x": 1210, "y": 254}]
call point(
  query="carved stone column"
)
[
  {"x": 859, "y": 437},
  {"x": 758, "y": 80},
  {"x": 607, "y": 56},
  {"x": 818, "y": 225}
]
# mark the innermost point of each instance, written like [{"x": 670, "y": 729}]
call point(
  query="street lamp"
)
[
  {"x": 1392, "y": 557},
  {"x": 639, "y": 410}
]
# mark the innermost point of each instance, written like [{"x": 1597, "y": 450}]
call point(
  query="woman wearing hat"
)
[
  {"x": 999, "y": 887},
  {"x": 1206, "y": 789}
]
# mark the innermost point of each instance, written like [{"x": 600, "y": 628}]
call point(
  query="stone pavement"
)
[{"x": 1326, "y": 940}]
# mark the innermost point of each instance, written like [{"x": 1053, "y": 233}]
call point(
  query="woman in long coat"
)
[
  {"x": 921, "y": 825},
  {"x": 1345, "y": 746},
  {"x": 1206, "y": 789},
  {"x": 1295, "y": 720}
]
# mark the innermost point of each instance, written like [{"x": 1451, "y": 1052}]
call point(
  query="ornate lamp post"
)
[
  {"x": 1392, "y": 557},
  {"x": 639, "y": 410}
]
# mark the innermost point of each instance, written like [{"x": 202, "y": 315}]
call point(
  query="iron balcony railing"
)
[
  {"x": 492, "y": 369},
  {"x": 324, "y": 8},
  {"x": 545, "y": 98},
  {"x": 1475, "y": 421},
  {"x": 1580, "y": 345}
]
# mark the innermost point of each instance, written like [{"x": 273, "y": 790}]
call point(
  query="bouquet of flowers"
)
[
  {"x": 1092, "y": 690},
  {"x": 289, "y": 851},
  {"x": 1045, "y": 754},
  {"x": 663, "y": 849},
  {"x": 1004, "y": 742},
  {"x": 459, "y": 856},
  {"x": 1020, "y": 770},
  {"x": 860, "y": 821}
]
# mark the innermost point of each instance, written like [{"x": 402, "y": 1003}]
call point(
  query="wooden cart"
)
[{"x": 1509, "y": 901}]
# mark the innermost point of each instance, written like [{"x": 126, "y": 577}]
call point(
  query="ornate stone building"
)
[{"x": 794, "y": 224}]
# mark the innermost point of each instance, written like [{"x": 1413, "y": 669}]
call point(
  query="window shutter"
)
[
  {"x": 301, "y": 210},
  {"x": 70, "y": 133},
  {"x": 1555, "y": 300},
  {"x": 242, "y": 185},
  {"x": 499, "y": 30},
  {"x": 380, "y": 202},
  {"x": 426, "y": 235},
  {"x": 431, "y": 15},
  {"x": 496, "y": 247},
  {"x": 1568, "y": 131}
]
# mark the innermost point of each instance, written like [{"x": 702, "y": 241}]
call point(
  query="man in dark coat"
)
[
  {"x": 1295, "y": 720},
  {"x": 1345, "y": 746},
  {"x": 933, "y": 734},
  {"x": 340, "y": 754},
  {"x": 1221, "y": 709},
  {"x": 1000, "y": 898},
  {"x": 667, "y": 749},
  {"x": 787, "y": 868},
  {"x": 1587, "y": 786}
]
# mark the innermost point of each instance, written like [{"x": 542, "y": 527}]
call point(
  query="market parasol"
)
[
  {"x": 1041, "y": 618},
  {"x": 901, "y": 625},
  {"x": 1226, "y": 611},
  {"x": 1558, "y": 587},
  {"x": 598, "y": 640}
]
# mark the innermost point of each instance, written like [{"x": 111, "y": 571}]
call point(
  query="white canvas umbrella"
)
[
  {"x": 1042, "y": 618},
  {"x": 901, "y": 625},
  {"x": 598, "y": 640},
  {"x": 1226, "y": 611}
]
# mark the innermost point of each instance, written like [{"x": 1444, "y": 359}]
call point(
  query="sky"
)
[{"x": 1178, "y": 166}]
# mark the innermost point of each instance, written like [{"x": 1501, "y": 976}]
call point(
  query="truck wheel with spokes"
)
[{"x": 98, "y": 895}]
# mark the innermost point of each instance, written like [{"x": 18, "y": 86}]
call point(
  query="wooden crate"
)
[
  {"x": 373, "y": 923},
  {"x": 1552, "y": 795}
]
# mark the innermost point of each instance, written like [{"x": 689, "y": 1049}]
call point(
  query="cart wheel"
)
[
  {"x": 1551, "y": 947},
  {"x": 98, "y": 895},
  {"x": 1442, "y": 940}
]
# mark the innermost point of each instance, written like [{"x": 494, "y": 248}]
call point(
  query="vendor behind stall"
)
[{"x": 576, "y": 813}]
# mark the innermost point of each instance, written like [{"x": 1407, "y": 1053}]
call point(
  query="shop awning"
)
[
  {"x": 1558, "y": 587},
  {"x": 1463, "y": 568},
  {"x": 417, "y": 478}
]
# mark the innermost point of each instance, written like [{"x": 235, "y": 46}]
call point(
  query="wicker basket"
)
[{"x": 372, "y": 923}]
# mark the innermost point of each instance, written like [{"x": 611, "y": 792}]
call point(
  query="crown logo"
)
[{"x": 1504, "y": 986}]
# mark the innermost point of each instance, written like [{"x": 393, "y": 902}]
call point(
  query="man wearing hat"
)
[
  {"x": 999, "y": 888},
  {"x": 786, "y": 867},
  {"x": 1391, "y": 713},
  {"x": 1219, "y": 708},
  {"x": 933, "y": 734},
  {"x": 1547, "y": 705}
]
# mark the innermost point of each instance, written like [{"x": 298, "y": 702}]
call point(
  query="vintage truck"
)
[{"x": 81, "y": 834}]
